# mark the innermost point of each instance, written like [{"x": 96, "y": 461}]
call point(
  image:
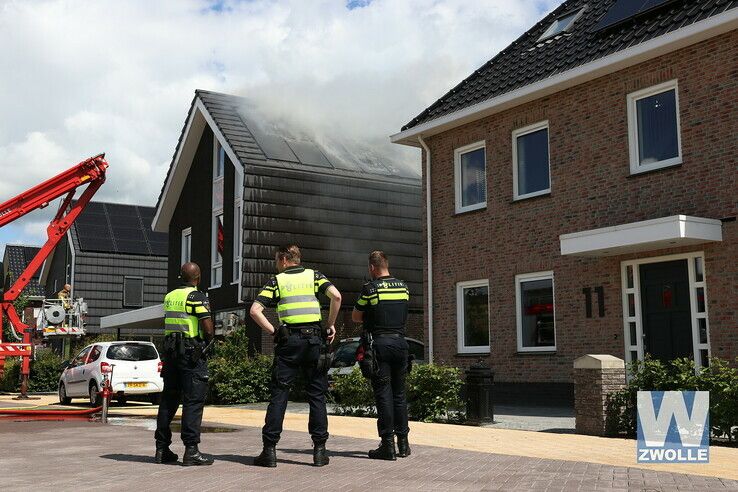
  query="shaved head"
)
[{"x": 190, "y": 273}]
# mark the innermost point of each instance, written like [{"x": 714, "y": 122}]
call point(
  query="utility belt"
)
[
  {"x": 367, "y": 358},
  {"x": 178, "y": 346},
  {"x": 387, "y": 334},
  {"x": 306, "y": 331}
]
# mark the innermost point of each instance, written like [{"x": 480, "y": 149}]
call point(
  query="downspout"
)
[{"x": 429, "y": 242}]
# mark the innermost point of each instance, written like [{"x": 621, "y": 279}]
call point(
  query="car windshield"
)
[
  {"x": 132, "y": 351},
  {"x": 345, "y": 354}
]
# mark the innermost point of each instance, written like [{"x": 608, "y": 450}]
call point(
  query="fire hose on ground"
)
[{"x": 106, "y": 393}]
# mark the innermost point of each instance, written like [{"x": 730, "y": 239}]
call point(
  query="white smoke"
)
[{"x": 83, "y": 77}]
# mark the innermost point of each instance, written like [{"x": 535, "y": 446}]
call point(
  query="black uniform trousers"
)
[
  {"x": 185, "y": 382},
  {"x": 298, "y": 352},
  {"x": 391, "y": 354}
]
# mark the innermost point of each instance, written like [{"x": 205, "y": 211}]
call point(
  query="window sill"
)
[
  {"x": 656, "y": 168},
  {"x": 469, "y": 211},
  {"x": 536, "y": 352},
  {"x": 215, "y": 287},
  {"x": 473, "y": 354},
  {"x": 546, "y": 194}
]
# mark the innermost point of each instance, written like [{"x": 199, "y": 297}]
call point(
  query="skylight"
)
[{"x": 561, "y": 24}]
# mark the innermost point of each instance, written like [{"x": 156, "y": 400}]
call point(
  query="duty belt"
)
[
  {"x": 392, "y": 335},
  {"x": 304, "y": 330}
]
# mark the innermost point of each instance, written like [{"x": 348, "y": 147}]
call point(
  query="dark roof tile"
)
[
  {"x": 17, "y": 258},
  {"x": 526, "y": 60}
]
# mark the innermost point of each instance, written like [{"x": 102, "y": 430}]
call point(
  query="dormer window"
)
[{"x": 561, "y": 24}]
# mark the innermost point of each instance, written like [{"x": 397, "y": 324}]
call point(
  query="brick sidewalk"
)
[{"x": 67, "y": 455}]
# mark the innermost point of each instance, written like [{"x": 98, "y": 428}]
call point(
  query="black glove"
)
[{"x": 281, "y": 335}]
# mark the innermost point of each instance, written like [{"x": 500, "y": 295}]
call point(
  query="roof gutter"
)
[
  {"x": 680, "y": 38},
  {"x": 429, "y": 243}
]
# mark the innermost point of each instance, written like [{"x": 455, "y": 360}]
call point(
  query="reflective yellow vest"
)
[
  {"x": 176, "y": 318},
  {"x": 297, "y": 301}
]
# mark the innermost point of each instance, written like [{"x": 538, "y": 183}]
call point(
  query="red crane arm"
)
[{"x": 90, "y": 172}]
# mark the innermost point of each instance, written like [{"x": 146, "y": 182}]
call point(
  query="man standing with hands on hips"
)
[
  {"x": 298, "y": 341},
  {"x": 383, "y": 307}
]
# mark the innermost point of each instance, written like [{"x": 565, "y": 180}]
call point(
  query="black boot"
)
[
  {"x": 268, "y": 457},
  {"x": 320, "y": 455},
  {"x": 193, "y": 457},
  {"x": 385, "y": 451},
  {"x": 165, "y": 455},
  {"x": 403, "y": 447}
]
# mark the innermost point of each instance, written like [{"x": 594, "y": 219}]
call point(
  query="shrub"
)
[
  {"x": 719, "y": 379},
  {"x": 236, "y": 378},
  {"x": 240, "y": 381},
  {"x": 434, "y": 393},
  {"x": 45, "y": 372},
  {"x": 11, "y": 379},
  {"x": 353, "y": 395}
]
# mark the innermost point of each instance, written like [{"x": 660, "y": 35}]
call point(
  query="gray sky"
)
[{"x": 84, "y": 77}]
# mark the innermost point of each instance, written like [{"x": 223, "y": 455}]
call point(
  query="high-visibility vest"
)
[
  {"x": 297, "y": 301},
  {"x": 176, "y": 318}
]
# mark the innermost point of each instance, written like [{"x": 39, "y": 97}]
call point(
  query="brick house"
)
[{"x": 581, "y": 194}]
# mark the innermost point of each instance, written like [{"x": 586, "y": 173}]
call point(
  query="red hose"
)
[{"x": 20, "y": 411}]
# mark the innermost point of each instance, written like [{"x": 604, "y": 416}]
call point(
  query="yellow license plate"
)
[{"x": 135, "y": 385}]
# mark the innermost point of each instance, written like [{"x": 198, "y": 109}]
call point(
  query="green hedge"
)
[
  {"x": 44, "y": 377},
  {"x": 352, "y": 394},
  {"x": 235, "y": 376},
  {"x": 434, "y": 394},
  {"x": 720, "y": 379}
]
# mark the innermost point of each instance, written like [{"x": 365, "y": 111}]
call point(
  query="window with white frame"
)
[
  {"x": 653, "y": 128},
  {"x": 472, "y": 305},
  {"x": 237, "y": 238},
  {"x": 531, "y": 169},
  {"x": 186, "y": 246},
  {"x": 535, "y": 312},
  {"x": 217, "y": 232},
  {"x": 471, "y": 177}
]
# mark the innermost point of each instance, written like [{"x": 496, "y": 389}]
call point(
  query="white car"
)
[
  {"x": 136, "y": 371},
  {"x": 345, "y": 355}
]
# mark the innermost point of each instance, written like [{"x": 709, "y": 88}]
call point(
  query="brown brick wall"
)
[{"x": 591, "y": 188}]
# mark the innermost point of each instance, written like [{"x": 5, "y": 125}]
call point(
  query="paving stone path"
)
[{"x": 53, "y": 455}]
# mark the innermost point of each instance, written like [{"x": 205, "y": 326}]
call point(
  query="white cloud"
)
[{"x": 81, "y": 78}]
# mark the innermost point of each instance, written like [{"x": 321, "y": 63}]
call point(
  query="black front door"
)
[{"x": 667, "y": 320}]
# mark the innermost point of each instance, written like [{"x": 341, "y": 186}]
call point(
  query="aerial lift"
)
[{"x": 90, "y": 172}]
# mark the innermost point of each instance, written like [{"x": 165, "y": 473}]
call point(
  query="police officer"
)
[
  {"x": 382, "y": 307},
  {"x": 188, "y": 328},
  {"x": 298, "y": 343}
]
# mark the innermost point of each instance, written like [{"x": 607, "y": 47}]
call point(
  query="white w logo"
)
[{"x": 655, "y": 428}]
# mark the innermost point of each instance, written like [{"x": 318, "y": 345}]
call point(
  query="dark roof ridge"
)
[{"x": 583, "y": 44}]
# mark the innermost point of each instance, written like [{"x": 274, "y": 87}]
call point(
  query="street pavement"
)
[
  {"x": 55, "y": 455},
  {"x": 44, "y": 455}
]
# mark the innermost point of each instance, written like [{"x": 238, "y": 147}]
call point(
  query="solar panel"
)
[
  {"x": 128, "y": 233},
  {"x": 276, "y": 148},
  {"x": 98, "y": 244},
  {"x": 159, "y": 248},
  {"x": 130, "y": 247},
  {"x": 92, "y": 219},
  {"x": 93, "y": 230},
  {"x": 309, "y": 153},
  {"x": 623, "y": 10}
]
